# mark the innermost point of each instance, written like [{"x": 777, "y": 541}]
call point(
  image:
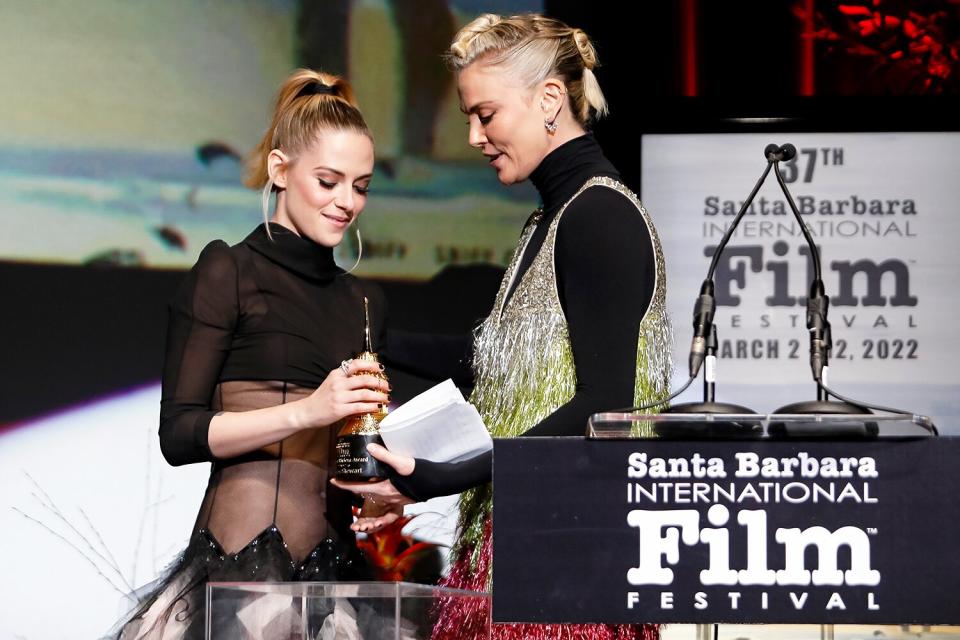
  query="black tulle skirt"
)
[{"x": 174, "y": 604}]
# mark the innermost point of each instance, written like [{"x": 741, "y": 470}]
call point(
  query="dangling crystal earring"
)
[{"x": 551, "y": 125}]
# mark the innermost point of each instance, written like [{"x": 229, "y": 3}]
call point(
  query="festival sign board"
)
[{"x": 726, "y": 531}]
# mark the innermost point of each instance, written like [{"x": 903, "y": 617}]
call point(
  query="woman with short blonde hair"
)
[{"x": 579, "y": 324}]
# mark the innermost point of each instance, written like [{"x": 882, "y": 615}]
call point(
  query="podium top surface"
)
[{"x": 738, "y": 426}]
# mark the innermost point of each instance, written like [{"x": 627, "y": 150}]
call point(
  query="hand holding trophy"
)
[{"x": 354, "y": 463}]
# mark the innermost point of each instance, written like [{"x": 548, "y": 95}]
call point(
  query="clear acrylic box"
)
[{"x": 327, "y": 610}]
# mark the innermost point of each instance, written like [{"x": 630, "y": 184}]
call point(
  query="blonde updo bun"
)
[{"x": 533, "y": 48}]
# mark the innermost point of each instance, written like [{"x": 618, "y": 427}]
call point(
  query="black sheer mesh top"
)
[{"x": 252, "y": 326}]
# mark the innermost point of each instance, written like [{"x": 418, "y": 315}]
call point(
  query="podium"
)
[
  {"x": 752, "y": 426},
  {"x": 325, "y": 610},
  {"x": 740, "y": 519}
]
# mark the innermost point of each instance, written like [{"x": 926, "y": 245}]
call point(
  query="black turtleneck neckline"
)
[
  {"x": 565, "y": 169},
  {"x": 296, "y": 253},
  {"x": 558, "y": 178}
]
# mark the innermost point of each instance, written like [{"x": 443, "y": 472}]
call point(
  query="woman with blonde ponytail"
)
[
  {"x": 580, "y": 324},
  {"x": 258, "y": 373}
]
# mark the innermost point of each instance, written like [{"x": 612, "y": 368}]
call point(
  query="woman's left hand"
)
[{"x": 374, "y": 516}]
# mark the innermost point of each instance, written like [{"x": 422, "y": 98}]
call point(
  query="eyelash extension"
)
[
  {"x": 485, "y": 120},
  {"x": 330, "y": 185}
]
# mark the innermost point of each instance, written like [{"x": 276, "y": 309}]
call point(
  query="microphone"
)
[
  {"x": 817, "y": 304},
  {"x": 705, "y": 305},
  {"x": 703, "y": 311},
  {"x": 703, "y": 347}
]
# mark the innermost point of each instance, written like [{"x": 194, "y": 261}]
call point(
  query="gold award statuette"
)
[{"x": 353, "y": 460}]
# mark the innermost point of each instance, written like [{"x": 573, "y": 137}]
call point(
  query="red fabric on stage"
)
[{"x": 459, "y": 620}]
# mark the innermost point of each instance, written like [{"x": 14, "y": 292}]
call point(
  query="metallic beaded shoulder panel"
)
[
  {"x": 523, "y": 358},
  {"x": 523, "y": 344}
]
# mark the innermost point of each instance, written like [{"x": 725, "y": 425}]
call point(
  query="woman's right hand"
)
[{"x": 346, "y": 393}]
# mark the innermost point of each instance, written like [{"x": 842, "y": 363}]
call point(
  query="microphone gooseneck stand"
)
[
  {"x": 703, "y": 348},
  {"x": 703, "y": 345},
  {"x": 818, "y": 325}
]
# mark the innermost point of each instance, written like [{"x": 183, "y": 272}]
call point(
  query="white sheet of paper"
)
[{"x": 437, "y": 425}]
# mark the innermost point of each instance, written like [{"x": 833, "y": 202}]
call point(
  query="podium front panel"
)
[{"x": 789, "y": 531}]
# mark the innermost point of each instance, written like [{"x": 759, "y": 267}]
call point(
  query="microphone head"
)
[
  {"x": 770, "y": 152},
  {"x": 788, "y": 152}
]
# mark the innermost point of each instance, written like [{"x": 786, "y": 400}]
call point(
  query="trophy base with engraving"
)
[{"x": 354, "y": 462}]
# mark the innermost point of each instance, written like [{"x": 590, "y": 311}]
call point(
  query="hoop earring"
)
[
  {"x": 265, "y": 205},
  {"x": 359, "y": 250}
]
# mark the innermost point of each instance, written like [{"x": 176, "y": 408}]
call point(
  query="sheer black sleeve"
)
[
  {"x": 203, "y": 316},
  {"x": 606, "y": 274},
  {"x": 432, "y": 479}
]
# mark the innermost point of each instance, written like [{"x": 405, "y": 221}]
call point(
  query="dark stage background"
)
[
  {"x": 77, "y": 331},
  {"x": 121, "y": 127}
]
